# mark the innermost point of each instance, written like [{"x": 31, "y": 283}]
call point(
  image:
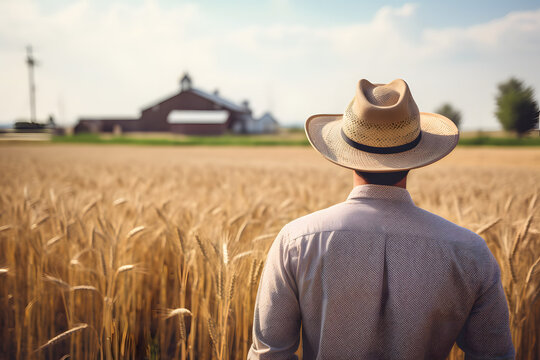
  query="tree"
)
[
  {"x": 450, "y": 112},
  {"x": 517, "y": 110}
]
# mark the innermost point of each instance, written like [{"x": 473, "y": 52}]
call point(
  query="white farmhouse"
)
[{"x": 266, "y": 124}]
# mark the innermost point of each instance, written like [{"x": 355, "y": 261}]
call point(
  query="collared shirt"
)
[{"x": 376, "y": 277}]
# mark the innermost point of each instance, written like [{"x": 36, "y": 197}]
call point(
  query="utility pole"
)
[{"x": 31, "y": 62}]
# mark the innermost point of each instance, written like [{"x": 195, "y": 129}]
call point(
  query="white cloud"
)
[
  {"x": 281, "y": 6},
  {"x": 117, "y": 59}
]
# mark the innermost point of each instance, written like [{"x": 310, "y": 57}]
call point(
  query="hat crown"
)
[
  {"x": 382, "y": 115},
  {"x": 382, "y": 96}
]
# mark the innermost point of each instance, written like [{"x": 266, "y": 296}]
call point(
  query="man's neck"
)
[{"x": 358, "y": 180}]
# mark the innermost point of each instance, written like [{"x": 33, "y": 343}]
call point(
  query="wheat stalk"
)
[
  {"x": 520, "y": 236},
  {"x": 202, "y": 247},
  {"x": 59, "y": 282},
  {"x": 232, "y": 287},
  {"x": 181, "y": 313},
  {"x": 220, "y": 283},
  {"x": 264, "y": 237},
  {"x": 225, "y": 254},
  {"x": 53, "y": 241},
  {"x": 531, "y": 272},
  {"x": 89, "y": 207},
  {"x": 119, "y": 201},
  {"x": 135, "y": 231},
  {"x": 39, "y": 222},
  {"x": 169, "y": 313},
  {"x": 214, "y": 335},
  {"x": 85, "y": 288},
  {"x": 488, "y": 226},
  {"x": 124, "y": 268},
  {"x": 532, "y": 203},
  {"x": 63, "y": 335},
  {"x": 242, "y": 255}
]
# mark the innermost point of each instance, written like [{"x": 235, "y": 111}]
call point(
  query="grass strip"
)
[
  {"x": 247, "y": 140},
  {"x": 224, "y": 140},
  {"x": 499, "y": 141}
]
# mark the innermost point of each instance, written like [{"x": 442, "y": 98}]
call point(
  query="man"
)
[{"x": 376, "y": 277}]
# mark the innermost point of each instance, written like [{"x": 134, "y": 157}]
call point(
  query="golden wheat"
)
[{"x": 142, "y": 252}]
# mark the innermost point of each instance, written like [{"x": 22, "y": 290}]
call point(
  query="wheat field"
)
[{"x": 119, "y": 252}]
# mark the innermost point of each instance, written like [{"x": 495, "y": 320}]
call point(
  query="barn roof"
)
[
  {"x": 219, "y": 100},
  {"x": 216, "y": 99},
  {"x": 268, "y": 117}
]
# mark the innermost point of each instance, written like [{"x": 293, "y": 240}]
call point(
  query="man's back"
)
[{"x": 375, "y": 277}]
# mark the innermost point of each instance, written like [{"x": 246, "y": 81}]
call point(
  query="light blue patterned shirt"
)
[{"x": 376, "y": 277}]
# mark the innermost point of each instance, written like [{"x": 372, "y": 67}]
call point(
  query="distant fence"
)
[{"x": 25, "y": 136}]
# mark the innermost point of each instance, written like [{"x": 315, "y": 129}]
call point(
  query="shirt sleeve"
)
[
  {"x": 486, "y": 333},
  {"x": 276, "y": 323}
]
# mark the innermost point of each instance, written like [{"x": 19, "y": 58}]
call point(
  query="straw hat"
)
[{"x": 382, "y": 131}]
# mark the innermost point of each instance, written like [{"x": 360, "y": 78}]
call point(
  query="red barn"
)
[{"x": 191, "y": 111}]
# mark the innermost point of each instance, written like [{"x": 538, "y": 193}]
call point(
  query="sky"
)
[{"x": 294, "y": 58}]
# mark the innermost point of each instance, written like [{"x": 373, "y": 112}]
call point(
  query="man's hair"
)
[{"x": 388, "y": 178}]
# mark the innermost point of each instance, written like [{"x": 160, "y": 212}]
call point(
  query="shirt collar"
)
[{"x": 383, "y": 192}]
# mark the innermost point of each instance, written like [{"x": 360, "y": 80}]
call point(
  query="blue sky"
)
[
  {"x": 295, "y": 58},
  {"x": 433, "y": 13}
]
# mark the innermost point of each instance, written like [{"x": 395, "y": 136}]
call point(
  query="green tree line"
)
[{"x": 516, "y": 107}]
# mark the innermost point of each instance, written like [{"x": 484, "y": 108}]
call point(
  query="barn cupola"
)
[
  {"x": 245, "y": 105},
  {"x": 185, "y": 82}
]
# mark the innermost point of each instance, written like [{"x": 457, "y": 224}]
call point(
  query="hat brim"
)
[{"x": 439, "y": 137}]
